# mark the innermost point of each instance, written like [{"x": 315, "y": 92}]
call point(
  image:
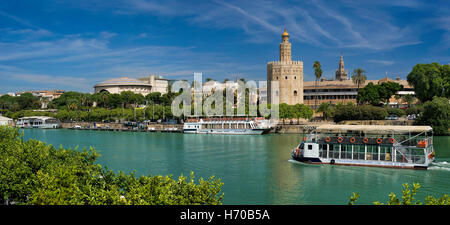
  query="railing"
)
[{"x": 416, "y": 156}]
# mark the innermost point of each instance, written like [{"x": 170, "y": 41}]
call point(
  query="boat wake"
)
[
  {"x": 295, "y": 161},
  {"x": 302, "y": 163},
  {"x": 444, "y": 165}
]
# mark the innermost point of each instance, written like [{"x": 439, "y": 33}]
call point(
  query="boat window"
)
[
  {"x": 302, "y": 146},
  {"x": 309, "y": 147}
]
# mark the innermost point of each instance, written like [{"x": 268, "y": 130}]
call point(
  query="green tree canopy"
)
[
  {"x": 387, "y": 89},
  {"x": 430, "y": 80},
  {"x": 436, "y": 113},
  {"x": 359, "y": 77},
  {"x": 369, "y": 94}
]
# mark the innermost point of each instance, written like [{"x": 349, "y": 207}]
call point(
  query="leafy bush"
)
[
  {"x": 414, "y": 110},
  {"x": 407, "y": 198},
  {"x": 32, "y": 172},
  {"x": 364, "y": 112},
  {"x": 395, "y": 111}
]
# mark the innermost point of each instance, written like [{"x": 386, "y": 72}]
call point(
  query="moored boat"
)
[
  {"x": 38, "y": 122},
  {"x": 368, "y": 145},
  {"x": 227, "y": 125}
]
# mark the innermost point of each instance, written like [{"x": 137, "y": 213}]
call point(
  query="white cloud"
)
[{"x": 382, "y": 62}]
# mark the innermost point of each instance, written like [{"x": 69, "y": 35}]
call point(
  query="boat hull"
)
[
  {"x": 226, "y": 131},
  {"x": 368, "y": 163}
]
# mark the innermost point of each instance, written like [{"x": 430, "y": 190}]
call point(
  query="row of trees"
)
[
  {"x": 38, "y": 174},
  {"x": 24, "y": 101},
  {"x": 154, "y": 112},
  {"x": 350, "y": 111},
  {"x": 126, "y": 99}
]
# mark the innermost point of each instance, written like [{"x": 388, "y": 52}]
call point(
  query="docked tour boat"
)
[
  {"x": 227, "y": 125},
  {"x": 368, "y": 145},
  {"x": 38, "y": 122}
]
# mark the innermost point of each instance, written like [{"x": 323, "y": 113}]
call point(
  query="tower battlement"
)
[
  {"x": 288, "y": 74},
  {"x": 282, "y": 63}
]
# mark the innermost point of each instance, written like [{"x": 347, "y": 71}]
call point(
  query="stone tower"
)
[
  {"x": 288, "y": 73},
  {"x": 341, "y": 73}
]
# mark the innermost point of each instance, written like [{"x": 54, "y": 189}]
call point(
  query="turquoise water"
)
[{"x": 254, "y": 169}]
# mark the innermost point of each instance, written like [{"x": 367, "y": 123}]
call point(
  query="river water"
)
[{"x": 255, "y": 169}]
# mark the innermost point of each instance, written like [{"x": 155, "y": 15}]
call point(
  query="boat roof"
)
[
  {"x": 2, "y": 118},
  {"x": 37, "y": 117},
  {"x": 374, "y": 128}
]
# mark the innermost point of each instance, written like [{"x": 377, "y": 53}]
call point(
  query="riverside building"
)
[
  {"x": 142, "y": 86},
  {"x": 288, "y": 74},
  {"x": 343, "y": 90}
]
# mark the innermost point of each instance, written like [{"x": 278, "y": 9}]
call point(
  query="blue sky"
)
[{"x": 73, "y": 45}]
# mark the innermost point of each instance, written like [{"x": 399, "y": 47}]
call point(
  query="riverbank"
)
[
  {"x": 300, "y": 127},
  {"x": 155, "y": 127}
]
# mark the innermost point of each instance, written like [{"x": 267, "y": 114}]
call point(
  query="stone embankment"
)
[{"x": 155, "y": 127}]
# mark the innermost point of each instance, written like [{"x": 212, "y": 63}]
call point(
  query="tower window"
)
[
  {"x": 295, "y": 93},
  {"x": 295, "y": 78},
  {"x": 285, "y": 77}
]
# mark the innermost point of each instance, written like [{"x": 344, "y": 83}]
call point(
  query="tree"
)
[
  {"x": 430, "y": 80},
  {"x": 369, "y": 94},
  {"x": 327, "y": 110},
  {"x": 318, "y": 75},
  {"x": 436, "y": 113},
  {"x": 409, "y": 99},
  {"x": 28, "y": 101},
  {"x": 387, "y": 89},
  {"x": 359, "y": 77}
]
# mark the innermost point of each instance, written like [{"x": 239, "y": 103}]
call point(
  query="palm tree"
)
[
  {"x": 359, "y": 77},
  {"x": 318, "y": 74}
]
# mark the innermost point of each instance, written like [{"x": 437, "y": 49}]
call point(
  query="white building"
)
[
  {"x": 142, "y": 86},
  {"x": 5, "y": 121}
]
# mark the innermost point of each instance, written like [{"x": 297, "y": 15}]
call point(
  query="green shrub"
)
[
  {"x": 364, "y": 112},
  {"x": 414, "y": 110},
  {"x": 407, "y": 198},
  {"x": 32, "y": 172},
  {"x": 395, "y": 111}
]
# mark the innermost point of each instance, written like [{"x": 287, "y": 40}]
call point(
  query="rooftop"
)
[
  {"x": 375, "y": 128},
  {"x": 123, "y": 81}
]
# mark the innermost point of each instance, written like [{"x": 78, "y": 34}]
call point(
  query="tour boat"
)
[
  {"x": 227, "y": 125},
  {"x": 38, "y": 122},
  {"x": 368, "y": 145}
]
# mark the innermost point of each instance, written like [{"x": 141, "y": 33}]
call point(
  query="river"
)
[{"x": 254, "y": 169}]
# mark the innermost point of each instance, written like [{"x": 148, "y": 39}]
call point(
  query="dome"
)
[{"x": 285, "y": 33}]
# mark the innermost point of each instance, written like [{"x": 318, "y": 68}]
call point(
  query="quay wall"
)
[{"x": 117, "y": 126}]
